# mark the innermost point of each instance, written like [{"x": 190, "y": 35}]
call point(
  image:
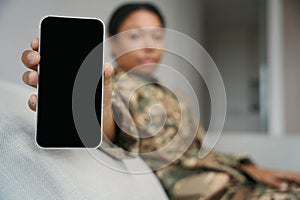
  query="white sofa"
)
[
  {"x": 278, "y": 152},
  {"x": 27, "y": 172}
]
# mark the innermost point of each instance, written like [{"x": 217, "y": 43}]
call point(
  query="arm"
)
[{"x": 275, "y": 178}]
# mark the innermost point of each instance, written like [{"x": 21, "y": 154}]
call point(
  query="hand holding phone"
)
[{"x": 31, "y": 59}]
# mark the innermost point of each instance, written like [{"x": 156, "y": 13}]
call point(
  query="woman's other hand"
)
[{"x": 274, "y": 178}]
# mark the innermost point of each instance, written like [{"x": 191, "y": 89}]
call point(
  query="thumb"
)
[{"x": 108, "y": 73}]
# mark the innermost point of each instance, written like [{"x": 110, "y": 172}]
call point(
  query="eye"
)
[
  {"x": 134, "y": 36},
  {"x": 158, "y": 36}
]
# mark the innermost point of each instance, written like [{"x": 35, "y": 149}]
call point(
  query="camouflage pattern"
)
[{"x": 173, "y": 135}]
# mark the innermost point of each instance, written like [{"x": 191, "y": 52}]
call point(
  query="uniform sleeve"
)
[
  {"x": 234, "y": 159},
  {"x": 126, "y": 130},
  {"x": 214, "y": 160}
]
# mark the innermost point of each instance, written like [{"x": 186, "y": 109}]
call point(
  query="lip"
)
[{"x": 148, "y": 60}]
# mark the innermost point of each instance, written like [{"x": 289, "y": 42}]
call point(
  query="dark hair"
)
[{"x": 124, "y": 10}]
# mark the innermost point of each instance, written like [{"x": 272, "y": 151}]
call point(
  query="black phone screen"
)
[{"x": 65, "y": 42}]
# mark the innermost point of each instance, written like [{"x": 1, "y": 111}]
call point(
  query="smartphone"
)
[{"x": 67, "y": 44}]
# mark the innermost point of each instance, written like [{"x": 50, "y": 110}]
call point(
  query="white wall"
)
[
  {"x": 232, "y": 39},
  {"x": 19, "y": 22},
  {"x": 292, "y": 65}
]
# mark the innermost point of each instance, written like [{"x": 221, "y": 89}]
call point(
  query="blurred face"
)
[{"x": 141, "y": 43}]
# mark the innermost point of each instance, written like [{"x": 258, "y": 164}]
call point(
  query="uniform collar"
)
[{"x": 143, "y": 77}]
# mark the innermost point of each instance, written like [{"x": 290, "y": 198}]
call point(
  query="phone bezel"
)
[{"x": 102, "y": 84}]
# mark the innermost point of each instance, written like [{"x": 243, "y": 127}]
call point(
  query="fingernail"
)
[
  {"x": 284, "y": 186},
  {"x": 30, "y": 78},
  {"x": 31, "y": 57},
  {"x": 31, "y": 101},
  {"x": 110, "y": 73},
  {"x": 107, "y": 72}
]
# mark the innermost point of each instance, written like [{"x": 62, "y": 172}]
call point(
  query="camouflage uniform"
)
[{"x": 177, "y": 141}]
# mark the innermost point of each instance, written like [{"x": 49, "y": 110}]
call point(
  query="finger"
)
[
  {"x": 290, "y": 177},
  {"x": 31, "y": 59},
  {"x": 32, "y": 102},
  {"x": 108, "y": 73},
  {"x": 30, "y": 78},
  {"x": 278, "y": 184},
  {"x": 284, "y": 186},
  {"x": 35, "y": 44}
]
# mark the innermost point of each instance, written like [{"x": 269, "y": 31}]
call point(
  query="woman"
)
[{"x": 217, "y": 176}]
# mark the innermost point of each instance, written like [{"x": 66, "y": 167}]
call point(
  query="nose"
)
[{"x": 149, "y": 44}]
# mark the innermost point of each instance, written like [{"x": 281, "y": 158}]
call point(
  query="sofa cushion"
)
[{"x": 28, "y": 172}]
